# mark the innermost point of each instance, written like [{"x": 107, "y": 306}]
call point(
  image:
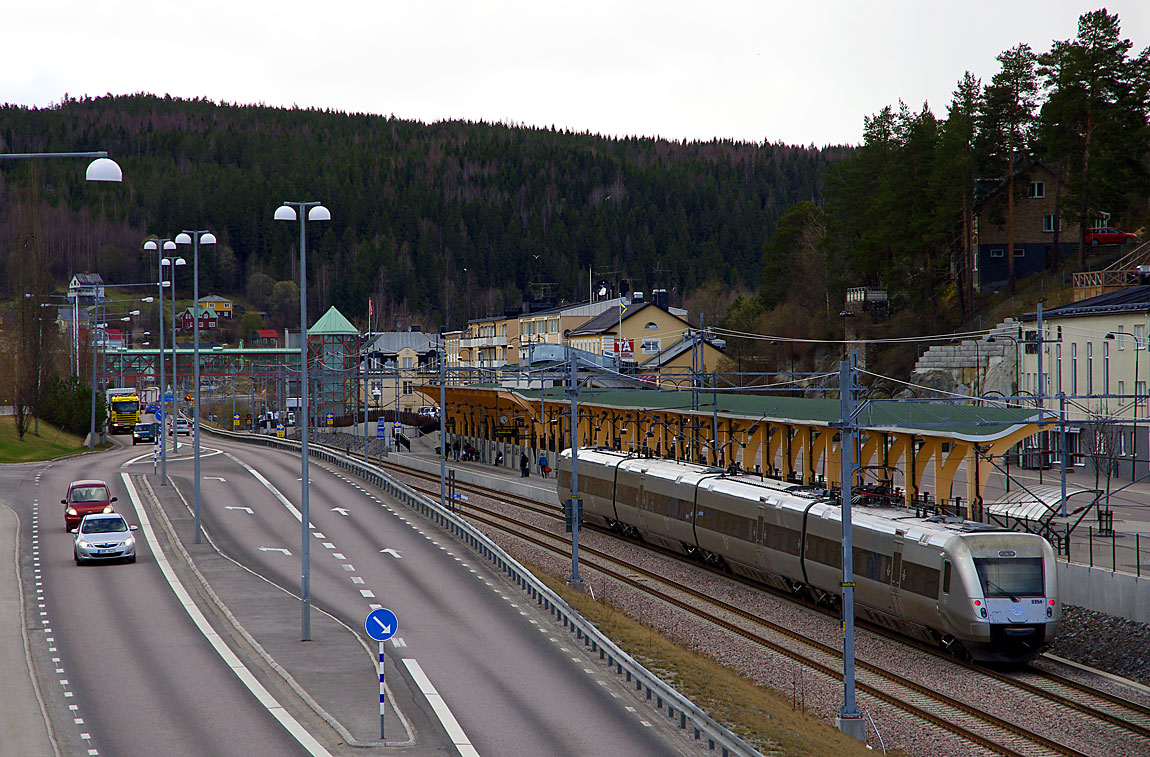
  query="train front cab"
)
[{"x": 1000, "y": 595}]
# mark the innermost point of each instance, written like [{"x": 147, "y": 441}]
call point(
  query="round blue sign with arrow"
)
[{"x": 381, "y": 624}]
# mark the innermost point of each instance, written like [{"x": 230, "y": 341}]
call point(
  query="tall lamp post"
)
[
  {"x": 304, "y": 212},
  {"x": 173, "y": 263},
  {"x": 102, "y": 168},
  {"x": 160, "y": 246},
  {"x": 195, "y": 239}
]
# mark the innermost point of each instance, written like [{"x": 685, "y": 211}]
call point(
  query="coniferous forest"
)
[{"x": 444, "y": 222}]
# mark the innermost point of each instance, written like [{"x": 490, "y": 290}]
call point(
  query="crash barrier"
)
[{"x": 676, "y": 706}]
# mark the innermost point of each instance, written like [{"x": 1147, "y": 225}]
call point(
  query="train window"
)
[
  {"x": 1010, "y": 576},
  {"x": 783, "y": 539},
  {"x": 872, "y": 565},
  {"x": 946, "y": 576},
  {"x": 919, "y": 579},
  {"x": 825, "y": 551}
]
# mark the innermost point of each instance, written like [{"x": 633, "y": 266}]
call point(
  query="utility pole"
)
[
  {"x": 850, "y": 720},
  {"x": 574, "y": 503}
]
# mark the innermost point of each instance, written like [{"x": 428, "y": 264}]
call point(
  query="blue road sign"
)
[
  {"x": 167, "y": 398},
  {"x": 381, "y": 428},
  {"x": 159, "y": 414},
  {"x": 381, "y": 624}
]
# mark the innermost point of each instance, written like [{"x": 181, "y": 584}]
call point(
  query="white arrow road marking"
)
[
  {"x": 275, "y": 549},
  {"x": 391, "y": 552},
  {"x": 341, "y": 510},
  {"x": 248, "y": 510},
  {"x": 214, "y": 478}
]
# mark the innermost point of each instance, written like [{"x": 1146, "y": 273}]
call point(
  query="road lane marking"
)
[
  {"x": 293, "y": 727},
  {"x": 442, "y": 711},
  {"x": 248, "y": 510}
]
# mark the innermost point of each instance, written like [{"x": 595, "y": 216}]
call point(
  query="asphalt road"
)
[
  {"x": 122, "y": 668},
  {"x": 125, "y": 671},
  {"x": 509, "y": 680}
]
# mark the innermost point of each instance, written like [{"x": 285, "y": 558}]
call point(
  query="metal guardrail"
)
[{"x": 666, "y": 698}]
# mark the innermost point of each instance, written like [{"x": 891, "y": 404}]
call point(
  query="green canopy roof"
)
[{"x": 332, "y": 322}]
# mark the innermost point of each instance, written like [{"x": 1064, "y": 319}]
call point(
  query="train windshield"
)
[{"x": 1010, "y": 576}]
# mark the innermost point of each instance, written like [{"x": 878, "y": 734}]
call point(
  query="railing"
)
[
  {"x": 676, "y": 705},
  {"x": 1119, "y": 274}
]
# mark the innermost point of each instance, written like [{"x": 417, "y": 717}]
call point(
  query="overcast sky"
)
[{"x": 795, "y": 72}]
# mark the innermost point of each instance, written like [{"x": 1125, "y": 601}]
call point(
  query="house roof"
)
[
  {"x": 88, "y": 279},
  {"x": 267, "y": 334},
  {"x": 608, "y": 320},
  {"x": 202, "y": 311},
  {"x": 215, "y": 298},
  {"x": 391, "y": 342},
  {"x": 1130, "y": 299},
  {"x": 332, "y": 322}
]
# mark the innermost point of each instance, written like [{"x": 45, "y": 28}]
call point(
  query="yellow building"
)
[{"x": 224, "y": 308}]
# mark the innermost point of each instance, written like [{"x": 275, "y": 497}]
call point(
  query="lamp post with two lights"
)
[
  {"x": 160, "y": 246},
  {"x": 303, "y": 212},
  {"x": 195, "y": 238}
]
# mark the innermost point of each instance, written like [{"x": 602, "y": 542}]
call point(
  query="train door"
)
[
  {"x": 761, "y": 538},
  {"x": 896, "y": 576}
]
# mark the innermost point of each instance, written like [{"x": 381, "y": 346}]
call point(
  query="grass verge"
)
[
  {"x": 50, "y": 444},
  {"x": 763, "y": 717}
]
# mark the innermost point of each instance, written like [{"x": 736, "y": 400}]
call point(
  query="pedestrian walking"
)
[
  {"x": 543, "y": 469},
  {"x": 524, "y": 465}
]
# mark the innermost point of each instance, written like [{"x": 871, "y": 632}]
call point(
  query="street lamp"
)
[
  {"x": 195, "y": 239},
  {"x": 291, "y": 211},
  {"x": 173, "y": 263},
  {"x": 102, "y": 168},
  {"x": 160, "y": 246}
]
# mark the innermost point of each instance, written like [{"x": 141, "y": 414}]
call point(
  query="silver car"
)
[{"x": 104, "y": 536}]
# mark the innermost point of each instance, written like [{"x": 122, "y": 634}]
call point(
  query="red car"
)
[
  {"x": 1109, "y": 235},
  {"x": 84, "y": 498}
]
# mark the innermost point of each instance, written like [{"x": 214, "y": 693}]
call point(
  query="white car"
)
[
  {"x": 104, "y": 536},
  {"x": 182, "y": 427}
]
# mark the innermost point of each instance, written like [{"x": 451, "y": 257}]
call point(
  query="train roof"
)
[{"x": 791, "y": 496}]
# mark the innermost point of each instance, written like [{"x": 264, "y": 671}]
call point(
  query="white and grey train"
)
[{"x": 944, "y": 580}]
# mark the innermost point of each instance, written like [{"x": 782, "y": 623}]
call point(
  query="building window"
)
[
  {"x": 1048, "y": 223},
  {"x": 1140, "y": 393},
  {"x": 553, "y": 326},
  {"x": 1106, "y": 368},
  {"x": 407, "y": 364},
  {"x": 1121, "y": 388},
  {"x": 998, "y": 253},
  {"x": 1058, "y": 365},
  {"x": 409, "y": 387},
  {"x": 1074, "y": 368},
  {"x": 651, "y": 325},
  {"x": 1019, "y": 252},
  {"x": 1140, "y": 337},
  {"x": 1120, "y": 337},
  {"x": 1036, "y": 190},
  {"x": 1090, "y": 367}
]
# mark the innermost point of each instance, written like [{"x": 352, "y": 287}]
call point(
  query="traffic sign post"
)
[
  {"x": 235, "y": 420},
  {"x": 331, "y": 419},
  {"x": 381, "y": 625}
]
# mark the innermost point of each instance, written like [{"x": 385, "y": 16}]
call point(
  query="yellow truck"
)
[{"x": 123, "y": 410}]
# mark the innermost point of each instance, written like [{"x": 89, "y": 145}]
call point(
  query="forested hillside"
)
[{"x": 447, "y": 221}]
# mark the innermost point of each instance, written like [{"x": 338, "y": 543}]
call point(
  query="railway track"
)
[{"x": 988, "y": 731}]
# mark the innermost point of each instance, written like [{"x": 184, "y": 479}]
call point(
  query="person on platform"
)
[
  {"x": 524, "y": 465},
  {"x": 543, "y": 468}
]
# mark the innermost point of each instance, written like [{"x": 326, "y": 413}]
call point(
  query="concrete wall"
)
[{"x": 1120, "y": 594}]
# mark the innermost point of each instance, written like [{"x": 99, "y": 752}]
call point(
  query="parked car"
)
[
  {"x": 1108, "y": 235},
  {"x": 86, "y": 497},
  {"x": 104, "y": 537},
  {"x": 428, "y": 411},
  {"x": 182, "y": 427},
  {"x": 143, "y": 432}
]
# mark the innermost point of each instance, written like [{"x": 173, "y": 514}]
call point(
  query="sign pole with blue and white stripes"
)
[{"x": 381, "y": 625}]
